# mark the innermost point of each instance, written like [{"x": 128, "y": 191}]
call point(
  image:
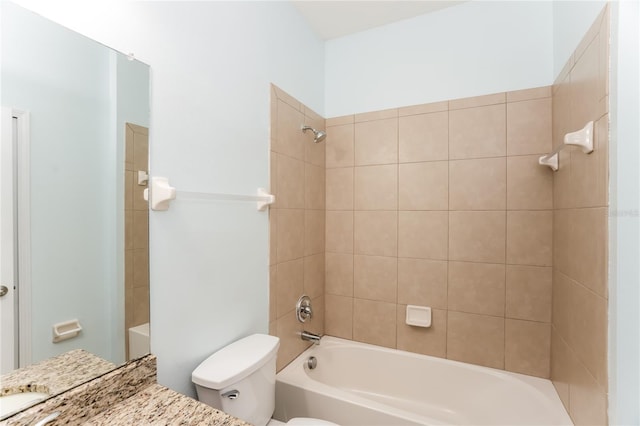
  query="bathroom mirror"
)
[{"x": 74, "y": 161}]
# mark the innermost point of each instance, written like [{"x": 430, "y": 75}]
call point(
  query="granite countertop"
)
[
  {"x": 158, "y": 405},
  {"x": 55, "y": 375}
]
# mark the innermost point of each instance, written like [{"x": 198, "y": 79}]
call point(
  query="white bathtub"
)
[{"x": 359, "y": 384}]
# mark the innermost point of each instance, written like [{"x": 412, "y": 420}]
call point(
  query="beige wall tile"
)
[
  {"x": 128, "y": 154},
  {"x": 339, "y": 274},
  {"x": 140, "y": 234},
  {"x": 527, "y": 347},
  {"x": 478, "y": 184},
  {"x": 376, "y": 233},
  {"x": 476, "y": 288},
  {"x": 338, "y": 316},
  {"x": 529, "y": 237},
  {"x": 477, "y": 101},
  {"x": 529, "y": 293},
  {"x": 374, "y": 322},
  {"x": 477, "y": 236},
  {"x": 528, "y": 94},
  {"x": 376, "y": 187},
  {"x": 376, "y": 142},
  {"x": 291, "y": 183},
  {"x": 139, "y": 203},
  {"x": 588, "y": 239},
  {"x": 289, "y": 285},
  {"x": 339, "y": 146},
  {"x": 587, "y": 400},
  {"x": 314, "y": 275},
  {"x": 339, "y": 121},
  {"x": 477, "y": 339},
  {"x": 584, "y": 87},
  {"x": 376, "y": 115},
  {"x": 128, "y": 192},
  {"x": 314, "y": 188},
  {"x": 273, "y": 236},
  {"x": 289, "y": 141},
  {"x": 273, "y": 293},
  {"x": 140, "y": 148},
  {"x": 423, "y": 186},
  {"x": 288, "y": 329},
  {"x": 589, "y": 172},
  {"x": 375, "y": 278},
  {"x": 141, "y": 305},
  {"x": 423, "y": 108},
  {"x": 477, "y": 132},
  {"x": 314, "y": 232},
  {"x": 560, "y": 367},
  {"x": 588, "y": 330},
  {"x": 423, "y": 137},
  {"x": 290, "y": 240},
  {"x": 561, "y": 233},
  {"x": 422, "y": 282},
  {"x": 140, "y": 273},
  {"x": 529, "y": 127},
  {"x": 561, "y": 304},
  {"x": 128, "y": 269},
  {"x": 273, "y": 176},
  {"x": 529, "y": 186},
  {"x": 428, "y": 341},
  {"x": 287, "y": 98},
  {"x": 422, "y": 234},
  {"x": 128, "y": 229},
  {"x": 339, "y": 189},
  {"x": 339, "y": 231}
]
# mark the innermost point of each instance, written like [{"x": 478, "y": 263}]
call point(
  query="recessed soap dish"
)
[{"x": 418, "y": 316}]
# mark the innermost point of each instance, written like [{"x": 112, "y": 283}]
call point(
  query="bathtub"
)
[{"x": 360, "y": 384}]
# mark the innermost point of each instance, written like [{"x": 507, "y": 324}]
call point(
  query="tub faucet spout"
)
[{"x": 311, "y": 337}]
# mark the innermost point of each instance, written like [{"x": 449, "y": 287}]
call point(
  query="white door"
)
[
  {"x": 7, "y": 243},
  {"x": 14, "y": 220}
]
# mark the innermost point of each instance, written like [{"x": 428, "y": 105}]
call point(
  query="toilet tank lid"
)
[{"x": 235, "y": 361}]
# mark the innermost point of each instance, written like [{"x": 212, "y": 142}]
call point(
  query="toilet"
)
[{"x": 240, "y": 379}]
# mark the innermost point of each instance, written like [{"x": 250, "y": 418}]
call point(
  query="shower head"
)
[{"x": 318, "y": 135}]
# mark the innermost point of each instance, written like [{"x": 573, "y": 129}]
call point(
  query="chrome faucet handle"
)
[{"x": 303, "y": 308}]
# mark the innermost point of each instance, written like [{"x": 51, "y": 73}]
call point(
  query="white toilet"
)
[{"x": 240, "y": 379}]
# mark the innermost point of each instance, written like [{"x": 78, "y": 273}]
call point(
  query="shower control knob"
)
[
  {"x": 3, "y": 290},
  {"x": 303, "y": 309}
]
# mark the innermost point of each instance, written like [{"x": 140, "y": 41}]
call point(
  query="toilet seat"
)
[
  {"x": 302, "y": 421},
  {"x": 308, "y": 421}
]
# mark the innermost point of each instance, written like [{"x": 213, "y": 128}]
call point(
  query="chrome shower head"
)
[{"x": 318, "y": 135}]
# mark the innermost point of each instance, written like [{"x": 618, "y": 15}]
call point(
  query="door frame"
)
[{"x": 15, "y": 221}]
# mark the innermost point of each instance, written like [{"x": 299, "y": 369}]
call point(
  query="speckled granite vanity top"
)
[
  {"x": 124, "y": 396},
  {"x": 55, "y": 375},
  {"x": 157, "y": 405}
]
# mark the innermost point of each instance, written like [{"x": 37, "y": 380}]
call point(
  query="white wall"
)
[
  {"x": 211, "y": 65},
  {"x": 72, "y": 248},
  {"x": 471, "y": 49},
  {"x": 624, "y": 293},
  {"x": 571, "y": 20}
]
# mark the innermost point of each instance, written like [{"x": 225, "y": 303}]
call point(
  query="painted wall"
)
[
  {"x": 71, "y": 228},
  {"x": 211, "y": 64},
  {"x": 624, "y": 298},
  {"x": 475, "y": 48},
  {"x": 571, "y": 20}
]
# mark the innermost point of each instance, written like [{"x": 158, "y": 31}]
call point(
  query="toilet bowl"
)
[{"x": 240, "y": 379}]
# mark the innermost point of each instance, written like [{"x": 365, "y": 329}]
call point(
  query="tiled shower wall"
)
[
  {"x": 296, "y": 223},
  {"x": 579, "y": 329},
  {"x": 444, "y": 205},
  {"x": 136, "y": 210}
]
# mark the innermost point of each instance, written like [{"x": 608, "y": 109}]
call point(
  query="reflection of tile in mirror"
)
[
  {"x": 140, "y": 229},
  {"x": 140, "y": 268},
  {"x": 140, "y": 305},
  {"x": 128, "y": 156},
  {"x": 140, "y": 147},
  {"x": 128, "y": 190}
]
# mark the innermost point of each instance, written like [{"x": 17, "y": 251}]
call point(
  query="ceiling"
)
[{"x": 332, "y": 18}]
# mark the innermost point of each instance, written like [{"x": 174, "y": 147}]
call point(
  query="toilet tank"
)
[{"x": 240, "y": 378}]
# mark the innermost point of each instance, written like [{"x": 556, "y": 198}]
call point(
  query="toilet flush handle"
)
[{"x": 232, "y": 394}]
